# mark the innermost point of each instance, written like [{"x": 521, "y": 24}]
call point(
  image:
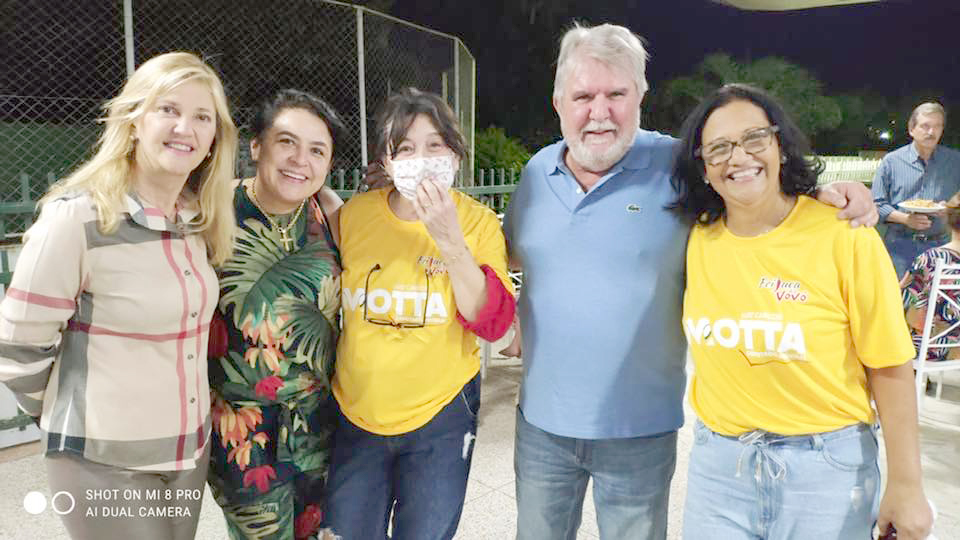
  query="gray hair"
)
[
  {"x": 613, "y": 45},
  {"x": 930, "y": 107}
]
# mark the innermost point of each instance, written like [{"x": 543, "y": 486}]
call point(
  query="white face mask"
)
[{"x": 408, "y": 173}]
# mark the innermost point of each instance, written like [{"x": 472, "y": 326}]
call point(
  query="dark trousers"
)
[
  {"x": 421, "y": 475},
  {"x": 905, "y": 246}
]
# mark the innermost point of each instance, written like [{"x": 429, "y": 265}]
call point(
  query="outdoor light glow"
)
[{"x": 885, "y": 135}]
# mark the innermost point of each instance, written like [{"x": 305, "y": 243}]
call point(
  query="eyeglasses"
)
[
  {"x": 753, "y": 142},
  {"x": 388, "y": 322}
]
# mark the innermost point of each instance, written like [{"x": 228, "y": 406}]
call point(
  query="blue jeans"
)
[
  {"x": 631, "y": 484},
  {"x": 766, "y": 486},
  {"x": 904, "y": 247},
  {"x": 421, "y": 475}
]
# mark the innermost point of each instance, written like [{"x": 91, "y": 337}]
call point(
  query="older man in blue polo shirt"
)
[
  {"x": 603, "y": 260},
  {"x": 922, "y": 169}
]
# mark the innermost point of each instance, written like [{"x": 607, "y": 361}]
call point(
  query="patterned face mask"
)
[{"x": 408, "y": 173}]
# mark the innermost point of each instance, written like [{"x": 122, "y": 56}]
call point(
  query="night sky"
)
[{"x": 894, "y": 48}]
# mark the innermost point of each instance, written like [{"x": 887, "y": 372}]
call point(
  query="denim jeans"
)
[
  {"x": 766, "y": 486},
  {"x": 631, "y": 484},
  {"x": 420, "y": 475},
  {"x": 904, "y": 247}
]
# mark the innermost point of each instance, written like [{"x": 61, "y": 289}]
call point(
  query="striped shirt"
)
[
  {"x": 106, "y": 335},
  {"x": 902, "y": 176}
]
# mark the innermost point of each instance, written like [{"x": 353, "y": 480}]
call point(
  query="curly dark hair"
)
[{"x": 697, "y": 200}]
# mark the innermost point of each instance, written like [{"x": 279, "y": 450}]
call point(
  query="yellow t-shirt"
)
[
  {"x": 393, "y": 380},
  {"x": 781, "y": 325}
]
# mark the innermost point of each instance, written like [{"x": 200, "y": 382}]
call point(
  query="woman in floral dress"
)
[
  {"x": 916, "y": 291},
  {"x": 273, "y": 338}
]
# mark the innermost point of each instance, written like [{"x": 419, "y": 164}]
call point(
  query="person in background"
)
[
  {"x": 794, "y": 325},
  {"x": 104, "y": 328},
  {"x": 916, "y": 291},
  {"x": 275, "y": 332},
  {"x": 424, "y": 274},
  {"x": 923, "y": 169}
]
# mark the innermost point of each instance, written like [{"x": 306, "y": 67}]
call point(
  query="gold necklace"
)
[{"x": 285, "y": 237}]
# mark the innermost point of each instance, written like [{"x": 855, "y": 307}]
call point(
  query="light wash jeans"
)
[
  {"x": 631, "y": 484},
  {"x": 761, "y": 485}
]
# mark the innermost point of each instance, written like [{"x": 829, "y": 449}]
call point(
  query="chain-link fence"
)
[{"x": 62, "y": 60}]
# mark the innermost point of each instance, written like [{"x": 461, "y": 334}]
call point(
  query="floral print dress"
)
[
  {"x": 916, "y": 293},
  {"x": 273, "y": 342}
]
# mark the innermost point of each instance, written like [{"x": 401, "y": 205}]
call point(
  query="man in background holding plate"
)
[{"x": 920, "y": 170}]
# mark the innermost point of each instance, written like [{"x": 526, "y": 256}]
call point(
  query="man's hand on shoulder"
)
[
  {"x": 374, "y": 177},
  {"x": 854, "y": 200}
]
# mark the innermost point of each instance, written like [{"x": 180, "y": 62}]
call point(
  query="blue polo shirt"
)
[{"x": 603, "y": 348}]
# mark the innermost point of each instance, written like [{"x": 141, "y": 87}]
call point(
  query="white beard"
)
[{"x": 603, "y": 159}]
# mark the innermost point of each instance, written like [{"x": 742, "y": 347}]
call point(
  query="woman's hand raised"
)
[{"x": 435, "y": 208}]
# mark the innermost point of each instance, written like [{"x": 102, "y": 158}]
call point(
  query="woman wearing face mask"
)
[
  {"x": 275, "y": 332},
  {"x": 795, "y": 326},
  {"x": 104, "y": 328},
  {"x": 424, "y": 274}
]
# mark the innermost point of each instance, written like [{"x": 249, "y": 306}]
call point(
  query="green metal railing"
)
[
  {"x": 20, "y": 421},
  {"x": 490, "y": 186}
]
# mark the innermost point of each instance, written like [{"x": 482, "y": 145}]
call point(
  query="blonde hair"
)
[{"x": 107, "y": 176}]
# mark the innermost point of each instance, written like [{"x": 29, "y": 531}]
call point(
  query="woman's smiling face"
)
[{"x": 748, "y": 181}]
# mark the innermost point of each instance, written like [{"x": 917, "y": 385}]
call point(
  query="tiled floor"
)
[{"x": 490, "y": 510}]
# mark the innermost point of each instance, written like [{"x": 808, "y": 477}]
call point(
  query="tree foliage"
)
[
  {"x": 495, "y": 150},
  {"x": 796, "y": 88}
]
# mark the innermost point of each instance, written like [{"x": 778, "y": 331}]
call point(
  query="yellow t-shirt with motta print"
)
[
  {"x": 391, "y": 380},
  {"x": 780, "y": 326}
]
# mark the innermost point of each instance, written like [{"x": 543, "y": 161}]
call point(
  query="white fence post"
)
[
  {"x": 361, "y": 82},
  {"x": 128, "y": 35}
]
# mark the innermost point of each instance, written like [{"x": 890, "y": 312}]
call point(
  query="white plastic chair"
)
[{"x": 946, "y": 278}]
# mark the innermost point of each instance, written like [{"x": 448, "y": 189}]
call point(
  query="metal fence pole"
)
[
  {"x": 128, "y": 35},
  {"x": 456, "y": 77},
  {"x": 361, "y": 84},
  {"x": 473, "y": 108},
  {"x": 467, "y": 167}
]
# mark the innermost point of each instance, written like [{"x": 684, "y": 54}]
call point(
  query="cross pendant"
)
[{"x": 286, "y": 240}]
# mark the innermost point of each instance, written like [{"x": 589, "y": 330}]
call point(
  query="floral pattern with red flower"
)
[
  {"x": 308, "y": 522},
  {"x": 260, "y": 477},
  {"x": 267, "y": 387}
]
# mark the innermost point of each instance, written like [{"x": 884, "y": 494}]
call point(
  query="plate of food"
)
[{"x": 921, "y": 206}]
